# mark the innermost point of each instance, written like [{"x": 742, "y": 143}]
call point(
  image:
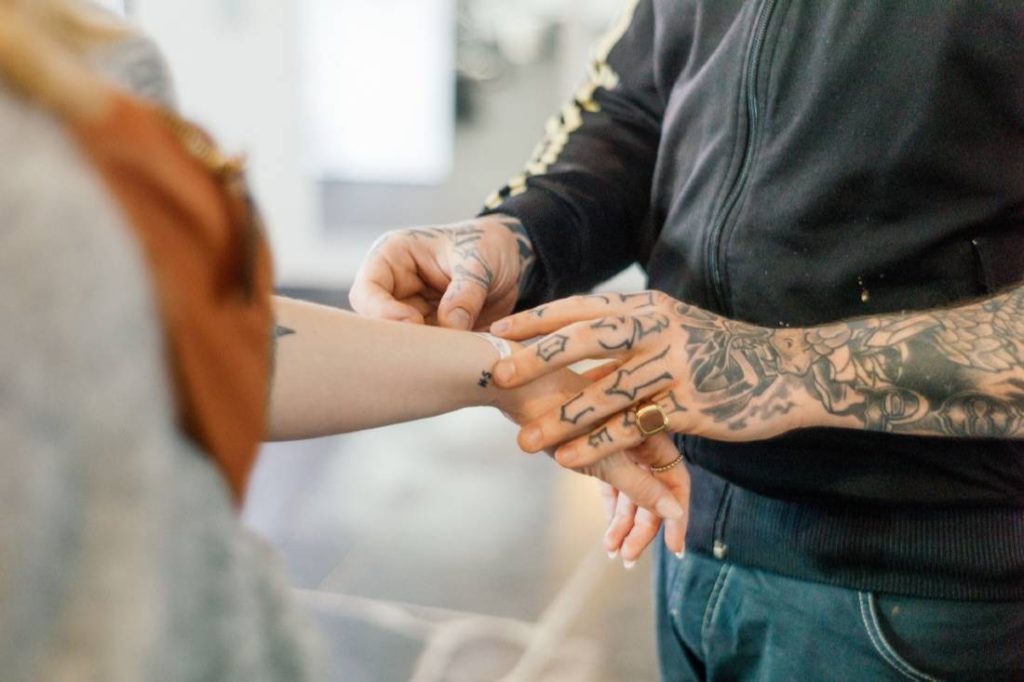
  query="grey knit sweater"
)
[{"x": 121, "y": 557}]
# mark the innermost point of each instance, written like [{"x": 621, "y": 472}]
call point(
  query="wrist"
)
[
  {"x": 499, "y": 349},
  {"x": 518, "y": 242}
]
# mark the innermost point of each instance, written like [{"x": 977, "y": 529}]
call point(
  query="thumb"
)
[{"x": 466, "y": 294}]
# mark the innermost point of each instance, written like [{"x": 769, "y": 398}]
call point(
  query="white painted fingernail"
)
[
  {"x": 679, "y": 554},
  {"x": 613, "y": 554},
  {"x": 629, "y": 564}
]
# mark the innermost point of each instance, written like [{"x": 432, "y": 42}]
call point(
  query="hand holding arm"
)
[
  {"x": 460, "y": 276},
  {"x": 337, "y": 372}
]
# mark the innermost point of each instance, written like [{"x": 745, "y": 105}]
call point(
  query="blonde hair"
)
[{"x": 43, "y": 44}]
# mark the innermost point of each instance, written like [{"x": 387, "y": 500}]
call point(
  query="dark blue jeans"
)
[{"x": 720, "y": 621}]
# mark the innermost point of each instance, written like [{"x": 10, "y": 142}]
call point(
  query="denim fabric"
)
[{"x": 721, "y": 621}]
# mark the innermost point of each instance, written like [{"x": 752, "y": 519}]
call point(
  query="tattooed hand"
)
[
  {"x": 956, "y": 372},
  {"x": 461, "y": 276},
  {"x": 640, "y": 498},
  {"x": 706, "y": 372}
]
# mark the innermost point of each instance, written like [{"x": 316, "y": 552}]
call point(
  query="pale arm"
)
[{"x": 337, "y": 372}]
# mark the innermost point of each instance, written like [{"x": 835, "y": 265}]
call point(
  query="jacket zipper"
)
[{"x": 714, "y": 244}]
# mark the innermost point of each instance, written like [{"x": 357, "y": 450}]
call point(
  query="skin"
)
[
  {"x": 957, "y": 372},
  {"x": 387, "y": 364},
  {"x": 465, "y": 276}
]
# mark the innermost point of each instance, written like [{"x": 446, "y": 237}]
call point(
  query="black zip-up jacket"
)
[{"x": 792, "y": 163}]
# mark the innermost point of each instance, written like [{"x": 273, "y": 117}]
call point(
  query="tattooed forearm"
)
[{"x": 954, "y": 372}]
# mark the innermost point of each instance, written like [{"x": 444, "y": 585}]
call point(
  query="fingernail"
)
[
  {"x": 668, "y": 508},
  {"x": 531, "y": 437},
  {"x": 679, "y": 554},
  {"x": 505, "y": 371},
  {"x": 501, "y": 326},
  {"x": 459, "y": 319},
  {"x": 629, "y": 564},
  {"x": 566, "y": 456},
  {"x": 613, "y": 554}
]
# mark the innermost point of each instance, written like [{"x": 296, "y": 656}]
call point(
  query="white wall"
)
[{"x": 309, "y": 88}]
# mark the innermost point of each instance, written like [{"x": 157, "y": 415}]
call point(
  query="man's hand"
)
[
  {"x": 645, "y": 498},
  {"x": 710, "y": 376},
  {"x": 460, "y": 276}
]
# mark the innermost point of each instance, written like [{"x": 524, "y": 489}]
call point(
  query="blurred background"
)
[{"x": 433, "y": 550}]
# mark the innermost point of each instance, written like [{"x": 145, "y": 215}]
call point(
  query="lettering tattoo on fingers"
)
[
  {"x": 598, "y": 438},
  {"x": 623, "y": 333},
  {"x": 673, "y": 405},
  {"x": 485, "y": 379},
  {"x": 630, "y": 382},
  {"x": 551, "y": 347},
  {"x": 628, "y": 419},
  {"x": 639, "y": 300},
  {"x": 573, "y": 415}
]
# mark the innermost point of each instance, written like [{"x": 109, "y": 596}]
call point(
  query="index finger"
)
[
  {"x": 553, "y": 316},
  {"x": 372, "y": 295}
]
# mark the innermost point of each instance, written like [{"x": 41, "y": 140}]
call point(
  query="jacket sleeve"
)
[{"x": 584, "y": 195}]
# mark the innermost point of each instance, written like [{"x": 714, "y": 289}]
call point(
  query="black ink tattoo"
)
[
  {"x": 551, "y": 347},
  {"x": 571, "y": 415},
  {"x": 622, "y": 333},
  {"x": 485, "y": 379},
  {"x": 597, "y": 438},
  {"x": 630, "y": 382},
  {"x": 951, "y": 372},
  {"x": 527, "y": 256},
  {"x": 281, "y": 331},
  {"x": 673, "y": 406}
]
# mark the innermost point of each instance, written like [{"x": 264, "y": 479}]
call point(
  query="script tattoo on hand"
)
[
  {"x": 955, "y": 372},
  {"x": 551, "y": 347}
]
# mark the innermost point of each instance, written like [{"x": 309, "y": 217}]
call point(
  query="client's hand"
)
[{"x": 641, "y": 498}]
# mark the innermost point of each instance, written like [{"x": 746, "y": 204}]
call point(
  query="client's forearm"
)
[{"x": 337, "y": 372}]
